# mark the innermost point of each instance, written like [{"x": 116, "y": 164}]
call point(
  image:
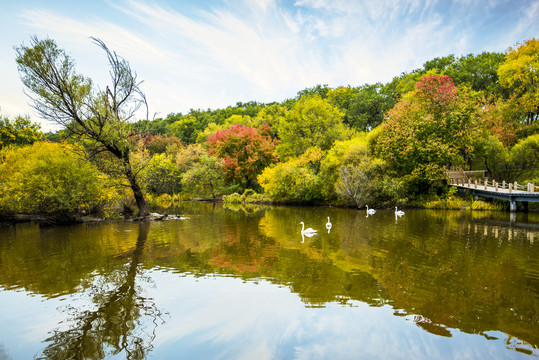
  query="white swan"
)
[
  {"x": 328, "y": 225},
  {"x": 307, "y": 231},
  {"x": 370, "y": 211},
  {"x": 398, "y": 212}
]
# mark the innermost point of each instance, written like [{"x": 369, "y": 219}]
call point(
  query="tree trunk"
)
[
  {"x": 137, "y": 191},
  {"x": 139, "y": 198}
]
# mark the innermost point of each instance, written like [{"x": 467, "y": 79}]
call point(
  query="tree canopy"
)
[{"x": 20, "y": 131}]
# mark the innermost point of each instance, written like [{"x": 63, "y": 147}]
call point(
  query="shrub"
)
[
  {"x": 294, "y": 180},
  {"x": 48, "y": 178}
]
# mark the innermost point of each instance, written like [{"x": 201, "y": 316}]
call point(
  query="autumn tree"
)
[
  {"x": 100, "y": 118},
  {"x": 429, "y": 129},
  {"x": 159, "y": 143},
  {"x": 245, "y": 150},
  {"x": 520, "y": 74}
]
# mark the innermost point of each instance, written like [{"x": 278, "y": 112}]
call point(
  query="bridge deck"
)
[{"x": 501, "y": 193}]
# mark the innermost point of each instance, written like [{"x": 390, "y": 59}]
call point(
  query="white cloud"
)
[{"x": 214, "y": 56}]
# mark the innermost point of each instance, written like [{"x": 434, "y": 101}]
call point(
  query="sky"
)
[{"x": 200, "y": 54}]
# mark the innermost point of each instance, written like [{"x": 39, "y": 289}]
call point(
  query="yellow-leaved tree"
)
[{"x": 520, "y": 74}]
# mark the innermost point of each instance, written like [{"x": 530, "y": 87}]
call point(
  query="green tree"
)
[
  {"x": 185, "y": 129},
  {"x": 20, "y": 131},
  {"x": 479, "y": 72},
  {"x": 100, "y": 118},
  {"x": 510, "y": 164},
  {"x": 524, "y": 158},
  {"x": 205, "y": 177},
  {"x": 368, "y": 107},
  {"x": 272, "y": 115},
  {"x": 493, "y": 156},
  {"x": 161, "y": 176},
  {"x": 312, "y": 122},
  {"x": 439, "y": 64},
  {"x": 318, "y": 90}
]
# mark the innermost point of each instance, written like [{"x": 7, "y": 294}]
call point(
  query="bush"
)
[
  {"x": 294, "y": 180},
  {"x": 248, "y": 196},
  {"x": 49, "y": 178},
  {"x": 233, "y": 198}
]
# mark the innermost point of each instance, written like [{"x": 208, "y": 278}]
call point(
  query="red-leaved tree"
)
[
  {"x": 429, "y": 128},
  {"x": 437, "y": 93},
  {"x": 246, "y": 152},
  {"x": 158, "y": 143}
]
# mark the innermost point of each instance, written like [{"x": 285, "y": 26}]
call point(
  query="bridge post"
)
[
  {"x": 475, "y": 182},
  {"x": 512, "y": 205},
  {"x": 510, "y": 188},
  {"x": 503, "y": 184},
  {"x": 496, "y": 186},
  {"x": 486, "y": 184}
]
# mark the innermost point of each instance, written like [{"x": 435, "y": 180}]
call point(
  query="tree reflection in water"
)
[{"x": 122, "y": 321}]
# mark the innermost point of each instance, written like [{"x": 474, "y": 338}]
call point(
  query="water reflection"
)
[
  {"x": 116, "y": 324},
  {"x": 449, "y": 273}
]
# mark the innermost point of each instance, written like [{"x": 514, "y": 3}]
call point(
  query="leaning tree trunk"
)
[{"x": 135, "y": 187}]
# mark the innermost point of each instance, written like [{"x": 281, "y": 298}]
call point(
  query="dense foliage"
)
[
  {"x": 432, "y": 127},
  {"x": 377, "y": 144},
  {"x": 49, "y": 178},
  {"x": 246, "y": 151}
]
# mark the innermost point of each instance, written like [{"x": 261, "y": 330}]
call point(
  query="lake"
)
[{"x": 243, "y": 283}]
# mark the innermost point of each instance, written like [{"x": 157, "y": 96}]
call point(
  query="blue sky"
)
[{"x": 211, "y": 54}]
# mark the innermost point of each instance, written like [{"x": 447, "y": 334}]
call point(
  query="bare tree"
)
[
  {"x": 101, "y": 119},
  {"x": 353, "y": 185}
]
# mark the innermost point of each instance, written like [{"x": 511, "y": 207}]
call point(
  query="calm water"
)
[{"x": 244, "y": 284}]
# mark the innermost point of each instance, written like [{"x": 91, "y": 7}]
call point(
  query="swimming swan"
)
[
  {"x": 328, "y": 225},
  {"x": 306, "y": 231},
  {"x": 370, "y": 211},
  {"x": 398, "y": 212}
]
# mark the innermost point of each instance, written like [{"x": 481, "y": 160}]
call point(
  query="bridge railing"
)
[{"x": 493, "y": 184}]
